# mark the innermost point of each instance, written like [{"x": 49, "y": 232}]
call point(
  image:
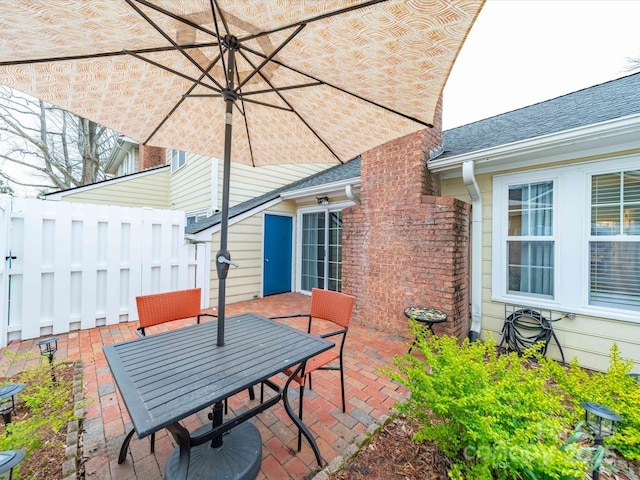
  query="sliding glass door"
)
[{"x": 321, "y": 250}]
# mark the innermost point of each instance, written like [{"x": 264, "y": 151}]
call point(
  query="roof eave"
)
[
  {"x": 309, "y": 193},
  {"x": 620, "y": 134}
]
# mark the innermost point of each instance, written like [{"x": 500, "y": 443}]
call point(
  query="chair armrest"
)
[
  {"x": 290, "y": 316},
  {"x": 333, "y": 334},
  {"x": 206, "y": 315},
  {"x": 296, "y": 315}
]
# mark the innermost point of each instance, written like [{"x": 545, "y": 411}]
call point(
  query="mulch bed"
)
[{"x": 392, "y": 455}]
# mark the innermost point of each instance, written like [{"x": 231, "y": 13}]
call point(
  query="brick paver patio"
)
[{"x": 369, "y": 396}]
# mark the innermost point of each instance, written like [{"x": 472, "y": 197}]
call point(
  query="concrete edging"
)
[
  {"x": 71, "y": 464},
  {"x": 359, "y": 443}
]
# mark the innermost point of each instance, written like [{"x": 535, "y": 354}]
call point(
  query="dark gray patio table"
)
[{"x": 166, "y": 377}]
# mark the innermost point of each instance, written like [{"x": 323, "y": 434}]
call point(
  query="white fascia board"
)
[
  {"x": 205, "y": 235},
  {"x": 309, "y": 193},
  {"x": 598, "y": 139},
  {"x": 103, "y": 183}
]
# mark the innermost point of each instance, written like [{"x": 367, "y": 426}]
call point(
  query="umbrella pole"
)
[{"x": 223, "y": 257}]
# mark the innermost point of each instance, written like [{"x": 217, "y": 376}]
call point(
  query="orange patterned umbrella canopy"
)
[
  {"x": 317, "y": 81},
  {"x": 335, "y": 78}
]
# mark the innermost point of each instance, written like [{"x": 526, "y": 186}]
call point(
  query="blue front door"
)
[{"x": 278, "y": 231}]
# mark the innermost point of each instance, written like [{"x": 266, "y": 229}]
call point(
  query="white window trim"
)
[
  {"x": 332, "y": 207},
  {"x": 214, "y": 185},
  {"x": 572, "y": 218},
  {"x": 195, "y": 214},
  {"x": 175, "y": 168}
]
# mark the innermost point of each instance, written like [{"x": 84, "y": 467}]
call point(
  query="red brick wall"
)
[
  {"x": 150, "y": 157},
  {"x": 405, "y": 245}
]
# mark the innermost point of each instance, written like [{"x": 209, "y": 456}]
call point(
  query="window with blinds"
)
[{"x": 614, "y": 243}]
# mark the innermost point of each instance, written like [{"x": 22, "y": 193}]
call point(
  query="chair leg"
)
[
  {"x": 153, "y": 442},
  {"x": 252, "y": 394},
  {"x": 344, "y": 406}
]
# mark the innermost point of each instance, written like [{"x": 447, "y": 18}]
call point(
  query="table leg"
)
[
  {"x": 303, "y": 428},
  {"x": 183, "y": 439}
]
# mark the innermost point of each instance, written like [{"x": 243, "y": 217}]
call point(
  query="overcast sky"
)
[{"x": 520, "y": 52}]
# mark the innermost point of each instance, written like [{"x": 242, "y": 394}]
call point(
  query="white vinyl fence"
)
[{"x": 71, "y": 266}]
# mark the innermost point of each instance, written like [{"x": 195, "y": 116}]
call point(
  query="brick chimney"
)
[
  {"x": 404, "y": 244},
  {"x": 150, "y": 157}
]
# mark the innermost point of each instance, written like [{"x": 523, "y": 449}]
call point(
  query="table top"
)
[
  {"x": 168, "y": 376},
  {"x": 426, "y": 314}
]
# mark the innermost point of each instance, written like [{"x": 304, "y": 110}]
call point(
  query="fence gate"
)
[{"x": 72, "y": 266}]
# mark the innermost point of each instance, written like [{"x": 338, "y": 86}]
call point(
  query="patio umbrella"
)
[{"x": 306, "y": 81}]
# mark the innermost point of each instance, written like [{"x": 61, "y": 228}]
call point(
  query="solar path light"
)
[
  {"x": 8, "y": 400},
  {"x": 48, "y": 348},
  {"x": 602, "y": 422},
  {"x": 8, "y": 460}
]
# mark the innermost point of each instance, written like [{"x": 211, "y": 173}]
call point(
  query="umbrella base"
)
[{"x": 239, "y": 457}]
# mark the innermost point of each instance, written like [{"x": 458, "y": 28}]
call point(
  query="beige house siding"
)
[
  {"x": 148, "y": 190},
  {"x": 249, "y": 182},
  {"x": 190, "y": 186},
  {"x": 245, "y": 245},
  {"x": 586, "y": 337}
]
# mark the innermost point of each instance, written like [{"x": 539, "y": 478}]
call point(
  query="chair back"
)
[
  {"x": 333, "y": 306},
  {"x": 165, "y": 307}
]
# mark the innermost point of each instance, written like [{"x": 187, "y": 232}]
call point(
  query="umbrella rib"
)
[
  {"x": 243, "y": 112},
  {"x": 340, "y": 89},
  {"x": 280, "y": 89},
  {"x": 257, "y": 102},
  {"x": 314, "y": 19},
  {"x": 170, "y": 40},
  {"x": 222, "y": 19},
  {"x": 265, "y": 104},
  {"x": 215, "y": 22},
  {"x": 293, "y": 110},
  {"x": 175, "y": 107},
  {"x": 170, "y": 70},
  {"x": 108, "y": 54},
  {"x": 268, "y": 58},
  {"x": 172, "y": 15}
]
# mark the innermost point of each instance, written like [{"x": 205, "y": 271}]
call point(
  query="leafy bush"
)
[
  {"x": 505, "y": 416},
  {"x": 613, "y": 389}
]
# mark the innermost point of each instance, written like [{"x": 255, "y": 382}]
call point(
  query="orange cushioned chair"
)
[
  {"x": 331, "y": 315},
  {"x": 161, "y": 308}
]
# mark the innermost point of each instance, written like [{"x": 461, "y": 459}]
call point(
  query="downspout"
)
[
  {"x": 348, "y": 190},
  {"x": 469, "y": 179}
]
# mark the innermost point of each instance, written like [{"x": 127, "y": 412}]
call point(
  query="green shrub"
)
[
  {"x": 613, "y": 389},
  {"x": 507, "y": 416}
]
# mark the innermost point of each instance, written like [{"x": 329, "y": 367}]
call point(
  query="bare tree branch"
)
[{"x": 61, "y": 149}]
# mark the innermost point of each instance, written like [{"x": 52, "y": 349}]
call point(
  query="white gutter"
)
[
  {"x": 332, "y": 188},
  {"x": 469, "y": 179},
  {"x": 348, "y": 190}
]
